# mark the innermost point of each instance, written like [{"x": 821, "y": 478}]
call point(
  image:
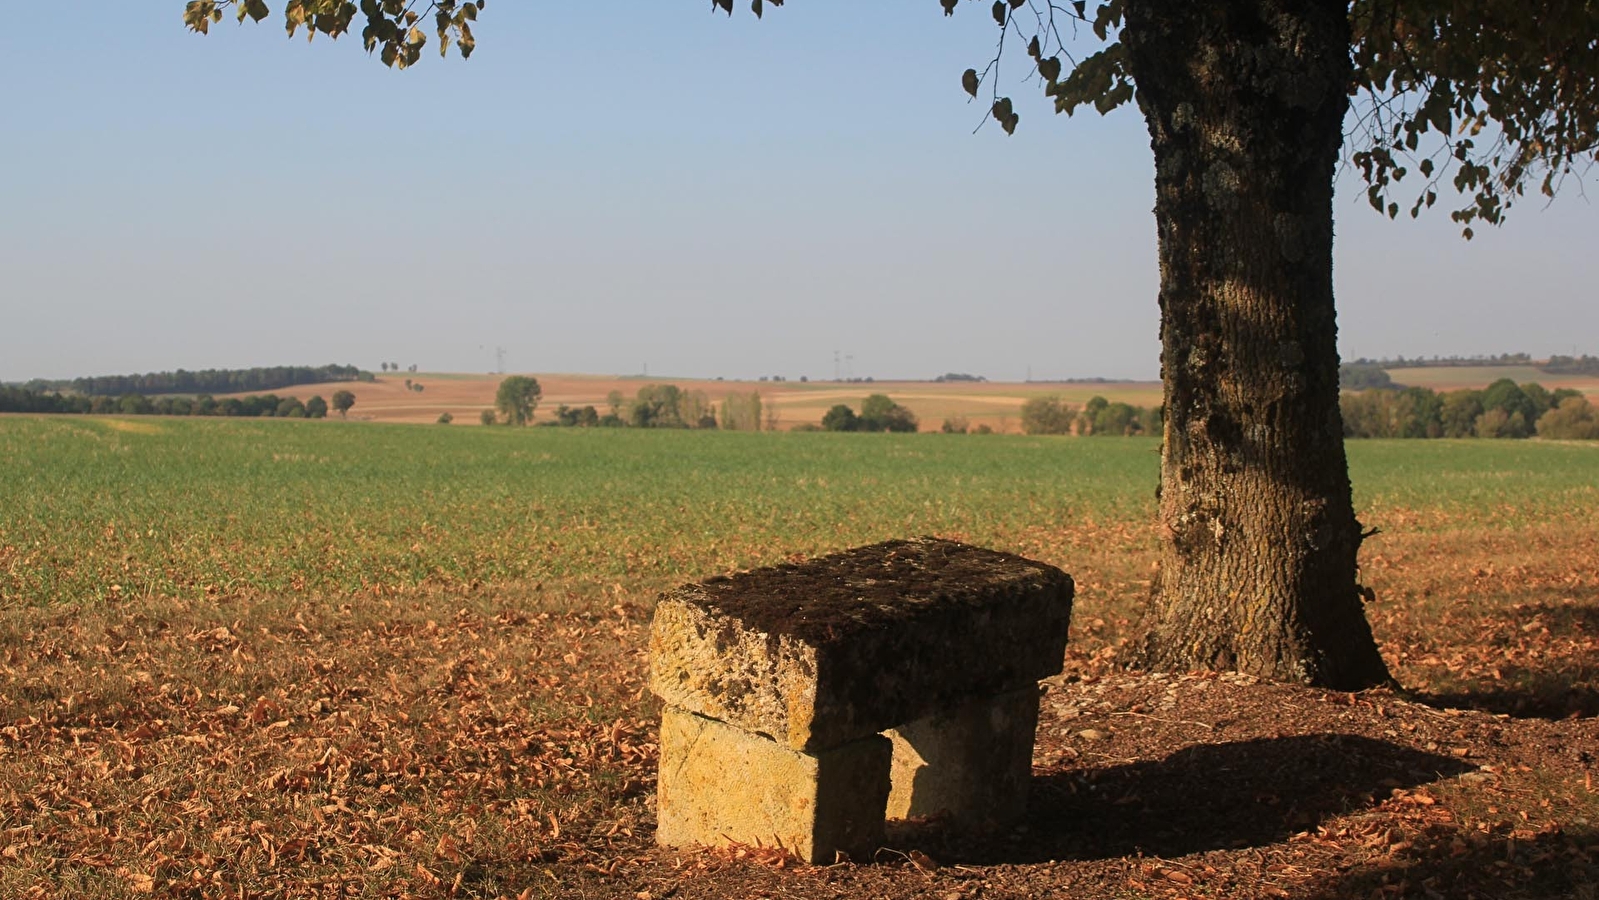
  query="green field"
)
[{"x": 102, "y": 508}]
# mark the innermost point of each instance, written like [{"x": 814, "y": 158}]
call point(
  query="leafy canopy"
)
[
  {"x": 391, "y": 25},
  {"x": 1488, "y": 96},
  {"x": 1492, "y": 95}
]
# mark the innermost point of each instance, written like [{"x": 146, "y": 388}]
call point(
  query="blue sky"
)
[{"x": 604, "y": 187}]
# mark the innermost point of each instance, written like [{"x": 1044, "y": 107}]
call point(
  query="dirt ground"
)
[{"x": 450, "y": 746}]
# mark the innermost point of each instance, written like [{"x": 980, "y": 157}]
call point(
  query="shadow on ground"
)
[
  {"x": 1550, "y": 866},
  {"x": 1563, "y": 685},
  {"x": 1203, "y": 797}
]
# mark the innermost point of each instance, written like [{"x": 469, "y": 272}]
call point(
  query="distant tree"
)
[
  {"x": 407, "y": 384},
  {"x": 571, "y": 417},
  {"x": 1365, "y": 414},
  {"x": 1496, "y": 423},
  {"x": 959, "y": 376},
  {"x": 417, "y": 386},
  {"x": 955, "y": 425},
  {"x": 517, "y": 398},
  {"x": 657, "y": 406},
  {"x": 614, "y": 400},
  {"x": 1047, "y": 415},
  {"x": 291, "y": 408},
  {"x": 1363, "y": 377},
  {"x": 694, "y": 409},
  {"x": 840, "y": 418},
  {"x": 1508, "y": 397},
  {"x": 1118, "y": 419},
  {"x": 486, "y": 417},
  {"x": 1090, "y": 414},
  {"x": 1538, "y": 398},
  {"x": 1459, "y": 411},
  {"x": 1151, "y": 419},
  {"x": 445, "y": 418},
  {"x": 1418, "y": 413},
  {"x": 742, "y": 412},
  {"x": 316, "y": 407},
  {"x": 880, "y": 413},
  {"x": 342, "y": 401},
  {"x": 134, "y": 405},
  {"x": 1574, "y": 419}
]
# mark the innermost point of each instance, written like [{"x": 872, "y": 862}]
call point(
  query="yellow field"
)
[{"x": 464, "y": 396}]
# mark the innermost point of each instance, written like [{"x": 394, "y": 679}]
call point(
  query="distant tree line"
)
[
  {"x": 878, "y": 413},
  {"x": 206, "y": 381},
  {"x": 958, "y": 376},
  {"x": 1572, "y": 365},
  {"x": 1400, "y": 362},
  {"x": 1098, "y": 417},
  {"x": 653, "y": 406},
  {"x": 24, "y": 400},
  {"x": 1503, "y": 409},
  {"x": 1362, "y": 375},
  {"x": 1555, "y": 365}
]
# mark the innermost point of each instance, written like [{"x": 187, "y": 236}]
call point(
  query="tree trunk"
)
[{"x": 1245, "y": 102}]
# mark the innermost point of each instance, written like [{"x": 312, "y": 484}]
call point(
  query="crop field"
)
[
  {"x": 1449, "y": 378},
  {"x": 323, "y": 658}
]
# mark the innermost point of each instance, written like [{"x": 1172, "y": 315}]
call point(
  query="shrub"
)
[
  {"x": 880, "y": 413},
  {"x": 486, "y": 417},
  {"x": 840, "y": 418},
  {"x": 1046, "y": 415},
  {"x": 955, "y": 425},
  {"x": 445, "y": 418},
  {"x": 1573, "y": 420}
]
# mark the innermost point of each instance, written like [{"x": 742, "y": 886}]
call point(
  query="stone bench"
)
[{"x": 806, "y": 703}]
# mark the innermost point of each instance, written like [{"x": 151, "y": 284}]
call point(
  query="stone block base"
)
[
  {"x": 972, "y": 764},
  {"x": 719, "y": 784}
]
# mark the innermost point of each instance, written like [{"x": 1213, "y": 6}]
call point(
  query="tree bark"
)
[{"x": 1245, "y": 102}]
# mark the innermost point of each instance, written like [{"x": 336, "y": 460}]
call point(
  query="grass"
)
[
  {"x": 181, "y": 508},
  {"x": 325, "y": 658},
  {"x": 97, "y": 508}
]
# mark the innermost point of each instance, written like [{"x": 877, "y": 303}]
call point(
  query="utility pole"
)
[{"x": 499, "y": 360}]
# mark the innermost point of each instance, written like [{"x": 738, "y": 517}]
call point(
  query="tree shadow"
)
[
  {"x": 1551, "y": 865},
  {"x": 1203, "y": 797},
  {"x": 1563, "y": 686}
]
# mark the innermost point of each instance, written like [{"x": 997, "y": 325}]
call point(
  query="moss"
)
[{"x": 867, "y": 588}]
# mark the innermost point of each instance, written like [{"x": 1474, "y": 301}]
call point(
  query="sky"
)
[{"x": 633, "y": 187}]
